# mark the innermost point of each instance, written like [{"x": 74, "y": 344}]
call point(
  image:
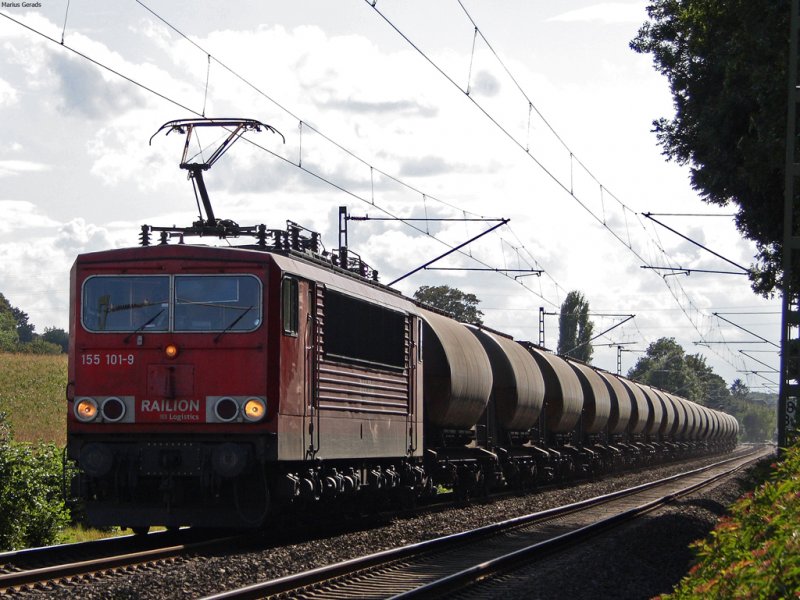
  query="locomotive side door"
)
[
  {"x": 298, "y": 345},
  {"x": 311, "y": 337},
  {"x": 414, "y": 419}
]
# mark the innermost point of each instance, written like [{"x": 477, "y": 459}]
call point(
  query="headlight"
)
[
  {"x": 96, "y": 459},
  {"x": 85, "y": 409},
  {"x": 229, "y": 460},
  {"x": 113, "y": 409},
  {"x": 226, "y": 409},
  {"x": 254, "y": 409}
]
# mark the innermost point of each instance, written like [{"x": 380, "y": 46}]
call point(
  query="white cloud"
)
[
  {"x": 85, "y": 93},
  {"x": 35, "y": 278},
  {"x": 22, "y": 215},
  {"x": 16, "y": 167},
  {"x": 78, "y": 236},
  {"x": 34, "y": 272},
  {"x": 605, "y": 12},
  {"x": 8, "y": 95}
]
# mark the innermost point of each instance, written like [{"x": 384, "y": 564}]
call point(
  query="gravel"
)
[
  {"x": 646, "y": 559},
  {"x": 638, "y": 561}
]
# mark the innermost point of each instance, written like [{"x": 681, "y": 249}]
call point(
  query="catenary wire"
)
[
  {"x": 274, "y": 154},
  {"x": 552, "y": 175},
  {"x": 97, "y": 63}
]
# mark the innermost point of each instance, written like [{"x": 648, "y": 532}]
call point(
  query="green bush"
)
[
  {"x": 755, "y": 552},
  {"x": 9, "y": 338},
  {"x": 39, "y": 346},
  {"x": 32, "y": 510}
]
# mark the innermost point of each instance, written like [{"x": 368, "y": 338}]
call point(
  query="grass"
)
[
  {"x": 32, "y": 394},
  {"x": 80, "y": 533}
]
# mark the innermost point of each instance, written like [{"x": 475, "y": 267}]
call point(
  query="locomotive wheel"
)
[{"x": 140, "y": 530}]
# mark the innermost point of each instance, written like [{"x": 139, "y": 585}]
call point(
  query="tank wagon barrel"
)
[
  {"x": 518, "y": 384},
  {"x": 596, "y": 397}
]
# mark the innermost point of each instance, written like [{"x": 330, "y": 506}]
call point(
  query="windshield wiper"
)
[
  {"x": 143, "y": 325},
  {"x": 233, "y": 323}
]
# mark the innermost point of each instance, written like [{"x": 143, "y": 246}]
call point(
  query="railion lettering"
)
[{"x": 170, "y": 406}]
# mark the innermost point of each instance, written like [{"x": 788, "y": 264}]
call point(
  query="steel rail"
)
[
  {"x": 524, "y": 556},
  {"x": 118, "y": 559},
  {"x": 304, "y": 582}
]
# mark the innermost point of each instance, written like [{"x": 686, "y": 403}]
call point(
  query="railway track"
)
[
  {"x": 445, "y": 565},
  {"x": 43, "y": 568},
  {"x": 39, "y": 568}
]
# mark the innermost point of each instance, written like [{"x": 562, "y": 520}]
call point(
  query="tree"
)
[
  {"x": 463, "y": 306},
  {"x": 663, "y": 366},
  {"x": 758, "y": 425},
  {"x": 575, "y": 328},
  {"x": 711, "y": 388},
  {"x": 24, "y": 328},
  {"x": 726, "y": 62},
  {"x": 739, "y": 390},
  {"x": 56, "y": 336},
  {"x": 757, "y": 419},
  {"x": 18, "y": 335},
  {"x": 12, "y": 317},
  {"x": 666, "y": 366},
  {"x": 9, "y": 338}
]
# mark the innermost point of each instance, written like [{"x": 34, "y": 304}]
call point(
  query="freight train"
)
[{"x": 210, "y": 386}]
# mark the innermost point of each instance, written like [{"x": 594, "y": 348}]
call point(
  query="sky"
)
[{"x": 543, "y": 117}]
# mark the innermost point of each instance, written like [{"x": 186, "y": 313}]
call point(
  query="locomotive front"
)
[{"x": 169, "y": 417}]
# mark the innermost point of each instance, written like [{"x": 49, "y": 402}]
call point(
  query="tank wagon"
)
[{"x": 210, "y": 385}]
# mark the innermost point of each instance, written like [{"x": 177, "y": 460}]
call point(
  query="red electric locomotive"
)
[{"x": 193, "y": 368}]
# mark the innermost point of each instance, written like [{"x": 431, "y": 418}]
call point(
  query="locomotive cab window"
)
[
  {"x": 217, "y": 303},
  {"x": 289, "y": 305},
  {"x": 358, "y": 331},
  {"x": 197, "y": 303},
  {"x": 126, "y": 303}
]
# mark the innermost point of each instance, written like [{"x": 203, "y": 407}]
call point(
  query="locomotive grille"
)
[{"x": 352, "y": 389}]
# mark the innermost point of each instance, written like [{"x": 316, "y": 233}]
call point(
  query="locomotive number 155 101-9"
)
[{"x": 107, "y": 359}]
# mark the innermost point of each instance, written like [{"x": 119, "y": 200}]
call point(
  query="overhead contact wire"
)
[
  {"x": 290, "y": 113},
  {"x": 318, "y": 132},
  {"x": 313, "y": 174},
  {"x": 508, "y": 134},
  {"x": 555, "y": 179},
  {"x": 101, "y": 65}
]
